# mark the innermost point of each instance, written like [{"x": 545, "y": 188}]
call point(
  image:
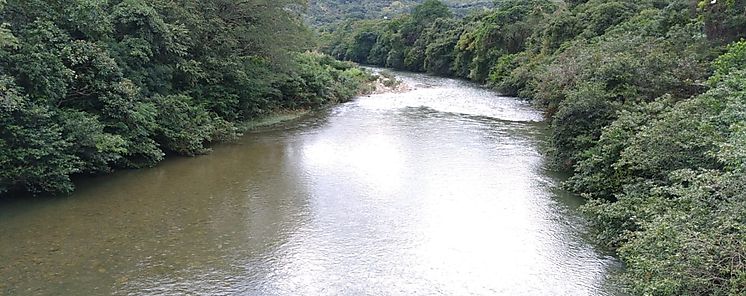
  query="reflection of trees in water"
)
[
  {"x": 188, "y": 220},
  {"x": 241, "y": 206},
  {"x": 355, "y": 193}
]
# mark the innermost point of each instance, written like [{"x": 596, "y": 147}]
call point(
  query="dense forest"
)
[
  {"x": 646, "y": 98},
  {"x": 647, "y": 104},
  {"x": 91, "y": 86},
  {"x": 329, "y": 12}
]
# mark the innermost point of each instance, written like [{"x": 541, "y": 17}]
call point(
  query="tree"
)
[{"x": 91, "y": 86}]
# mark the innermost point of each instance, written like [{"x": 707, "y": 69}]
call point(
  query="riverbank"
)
[
  {"x": 435, "y": 191},
  {"x": 274, "y": 118},
  {"x": 387, "y": 83},
  {"x": 646, "y": 107},
  {"x": 384, "y": 82},
  {"x": 197, "y": 136}
]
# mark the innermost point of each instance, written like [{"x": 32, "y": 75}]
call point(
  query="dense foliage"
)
[
  {"x": 90, "y": 86},
  {"x": 647, "y": 101},
  {"x": 326, "y": 12}
]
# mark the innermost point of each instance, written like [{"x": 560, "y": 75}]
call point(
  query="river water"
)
[{"x": 441, "y": 190}]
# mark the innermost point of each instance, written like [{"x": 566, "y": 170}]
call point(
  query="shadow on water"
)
[
  {"x": 158, "y": 227},
  {"x": 439, "y": 191}
]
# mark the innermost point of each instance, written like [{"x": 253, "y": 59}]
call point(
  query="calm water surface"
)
[{"x": 438, "y": 191}]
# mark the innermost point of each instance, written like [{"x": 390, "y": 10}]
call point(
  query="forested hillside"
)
[
  {"x": 324, "y": 12},
  {"x": 647, "y": 103},
  {"x": 90, "y": 86}
]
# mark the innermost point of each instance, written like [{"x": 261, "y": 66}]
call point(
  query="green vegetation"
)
[
  {"x": 91, "y": 86},
  {"x": 647, "y": 100},
  {"x": 326, "y": 12}
]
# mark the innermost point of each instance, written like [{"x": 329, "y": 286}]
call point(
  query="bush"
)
[
  {"x": 35, "y": 155},
  {"x": 86, "y": 95},
  {"x": 183, "y": 126}
]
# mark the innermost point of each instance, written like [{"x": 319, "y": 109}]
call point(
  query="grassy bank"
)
[{"x": 274, "y": 118}]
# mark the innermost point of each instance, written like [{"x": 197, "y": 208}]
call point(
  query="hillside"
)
[
  {"x": 321, "y": 12},
  {"x": 647, "y": 106}
]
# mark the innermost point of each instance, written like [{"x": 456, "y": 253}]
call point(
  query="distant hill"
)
[{"x": 321, "y": 12}]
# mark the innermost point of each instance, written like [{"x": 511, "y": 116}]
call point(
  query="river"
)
[{"x": 442, "y": 190}]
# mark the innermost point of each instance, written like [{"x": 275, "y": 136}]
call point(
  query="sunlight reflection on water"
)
[{"x": 438, "y": 191}]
